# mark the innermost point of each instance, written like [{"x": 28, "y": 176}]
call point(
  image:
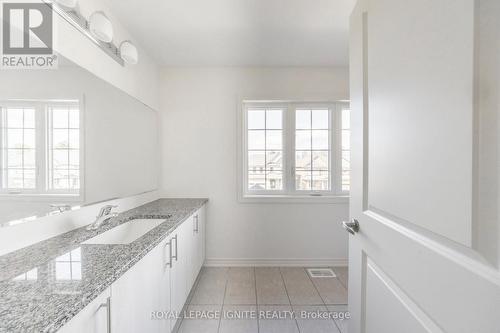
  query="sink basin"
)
[{"x": 125, "y": 233}]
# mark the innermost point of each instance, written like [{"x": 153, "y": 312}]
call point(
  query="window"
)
[
  {"x": 312, "y": 150},
  {"x": 19, "y": 149},
  {"x": 64, "y": 148},
  {"x": 265, "y": 149},
  {"x": 295, "y": 149},
  {"x": 40, "y": 147}
]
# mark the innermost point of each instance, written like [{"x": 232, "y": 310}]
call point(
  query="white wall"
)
[
  {"x": 199, "y": 134},
  {"x": 140, "y": 81}
]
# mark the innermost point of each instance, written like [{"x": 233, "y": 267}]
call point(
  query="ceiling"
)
[{"x": 239, "y": 32}]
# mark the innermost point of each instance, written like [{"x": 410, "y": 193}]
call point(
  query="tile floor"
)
[{"x": 266, "y": 299}]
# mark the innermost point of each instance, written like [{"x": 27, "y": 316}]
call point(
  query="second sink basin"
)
[{"x": 125, "y": 233}]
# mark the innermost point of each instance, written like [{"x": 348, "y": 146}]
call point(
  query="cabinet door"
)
[
  {"x": 136, "y": 295},
  {"x": 164, "y": 288},
  {"x": 194, "y": 245},
  {"x": 92, "y": 319},
  {"x": 197, "y": 246},
  {"x": 180, "y": 271},
  {"x": 201, "y": 238}
]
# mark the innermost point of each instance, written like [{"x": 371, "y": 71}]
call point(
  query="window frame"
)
[
  {"x": 283, "y": 149},
  {"x": 23, "y": 105},
  {"x": 289, "y": 192},
  {"x": 42, "y": 191},
  {"x": 49, "y": 146}
]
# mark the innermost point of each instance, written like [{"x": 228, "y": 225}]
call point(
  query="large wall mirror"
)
[{"x": 69, "y": 139}]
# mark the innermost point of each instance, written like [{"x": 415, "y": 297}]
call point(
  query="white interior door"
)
[{"x": 414, "y": 263}]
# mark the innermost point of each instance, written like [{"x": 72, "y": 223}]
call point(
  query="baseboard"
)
[{"x": 313, "y": 262}]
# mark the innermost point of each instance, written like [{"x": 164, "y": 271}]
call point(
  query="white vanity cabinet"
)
[
  {"x": 160, "y": 282},
  {"x": 143, "y": 289},
  {"x": 188, "y": 246}
]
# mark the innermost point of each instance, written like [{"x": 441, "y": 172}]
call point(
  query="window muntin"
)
[
  {"x": 63, "y": 148},
  {"x": 311, "y": 151},
  {"x": 265, "y": 149}
]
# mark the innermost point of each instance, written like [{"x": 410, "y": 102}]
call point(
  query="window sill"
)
[
  {"x": 285, "y": 199},
  {"x": 48, "y": 197}
]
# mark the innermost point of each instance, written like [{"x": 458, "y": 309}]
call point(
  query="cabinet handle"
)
[
  {"x": 169, "y": 263},
  {"x": 197, "y": 226},
  {"x": 176, "y": 249},
  {"x": 107, "y": 305}
]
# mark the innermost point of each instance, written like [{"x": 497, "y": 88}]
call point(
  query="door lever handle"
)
[{"x": 351, "y": 227}]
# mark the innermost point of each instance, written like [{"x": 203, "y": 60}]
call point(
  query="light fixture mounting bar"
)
[{"x": 81, "y": 24}]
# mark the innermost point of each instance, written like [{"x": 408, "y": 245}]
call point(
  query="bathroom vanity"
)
[{"x": 133, "y": 274}]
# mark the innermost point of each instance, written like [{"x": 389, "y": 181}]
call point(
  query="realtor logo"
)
[{"x": 27, "y": 36}]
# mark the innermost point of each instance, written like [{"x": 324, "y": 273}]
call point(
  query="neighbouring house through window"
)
[{"x": 296, "y": 148}]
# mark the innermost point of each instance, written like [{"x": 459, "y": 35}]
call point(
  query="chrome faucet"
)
[
  {"x": 61, "y": 208},
  {"x": 104, "y": 215}
]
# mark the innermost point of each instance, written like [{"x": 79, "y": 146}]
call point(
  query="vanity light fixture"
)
[
  {"x": 101, "y": 27},
  {"x": 128, "y": 52},
  {"x": 97, "y": 28},
  {"x": 70, "y": 4}
]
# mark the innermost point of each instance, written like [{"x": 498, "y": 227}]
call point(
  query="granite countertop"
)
[{"x": 44, "y": 285}]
